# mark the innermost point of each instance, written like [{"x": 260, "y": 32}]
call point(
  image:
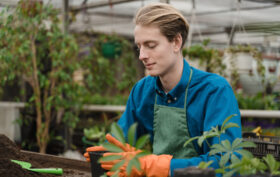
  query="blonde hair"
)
[{"x": 169, "y": 20}]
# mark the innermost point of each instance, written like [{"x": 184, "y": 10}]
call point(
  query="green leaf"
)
[
  {"x": 112, "y": 147},
  {"x": 247, "y": 144},
  {"x": 132, "y": 134},
  {"x": 141, "y": 154},
  {"x": 109, "y": 158},
  {"x": 234, "y": 159},
  {"x": 224, "y": 159},
  {"x": 219, "y": 147},
  {"x": 133, "y": 163},
  {"x": 226, "y": 145},
  {"x": 142, "y": 141},
  {"x": 118, "y": 165},
  {"x": 272, "y": 164},
  {"x": 226, "y": 120},
  {"x": 220, "y": 170},
  {"x": 211, "y": 134},
  {"x": 190, "y": 140},
  {"x": 200, "y": 141},
  {"x": 229, "y": 173},
  {"x": 214, "y": 151},
  {"x": 204, "y": 165},
  {"x": 236, "y": 143},
  {"x": 117, "y": 132},
  {"x": 229, "y": 125},
  {"x": 116, "y": 174}
]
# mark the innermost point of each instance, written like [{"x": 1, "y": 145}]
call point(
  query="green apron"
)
[{"x": 171, "y": 130}]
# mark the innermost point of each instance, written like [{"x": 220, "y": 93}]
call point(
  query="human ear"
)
[{"x": 177, "y": 41}]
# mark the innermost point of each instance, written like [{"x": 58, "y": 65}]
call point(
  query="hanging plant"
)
[
  {"x": 109, "y": 81},
  {"x": 211, "y": 58},
  {"x": 110, "y": 45},
  {"x": 251, "y": 51}
]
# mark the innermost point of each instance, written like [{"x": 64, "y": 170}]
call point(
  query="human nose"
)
[{"x": 142, "y": 54}]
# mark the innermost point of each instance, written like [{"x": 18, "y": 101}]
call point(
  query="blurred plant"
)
[
  {"x": 117, "y": 132},
  {"x": 94, "y": 135},
  {"x": 253, "y": 165},
  {"x": 258, "y": 101},
  {"x": 33, "y": 48},
  {"x": 233, "y": 51},
  {"x": 106, "y": 78},
  {"x": 227, "y": 151},
  {"x": 230, "y": 162},
  {"x": 94, "y": 132},
  {"x": 211, "y": 58}
]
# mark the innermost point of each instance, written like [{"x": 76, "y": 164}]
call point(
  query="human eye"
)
[{"x": 151, "y": 45}]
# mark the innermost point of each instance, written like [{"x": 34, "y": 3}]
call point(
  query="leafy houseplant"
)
[
  {"x": 230, "y": 163},
  {"x": 109, "y": 81},
  {"x": 94, "y": 135},
  {"x": 33, "y": 48},
  {"x": 131, "y": 140},
  {"x": 111, "y": 46},
  {"x": 234, "y": 52},
  {"x": 208, "y": 57},
  {"x": 258, "y": 101}
]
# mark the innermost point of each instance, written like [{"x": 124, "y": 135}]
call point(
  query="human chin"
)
[{"x": 152, "y": 73}]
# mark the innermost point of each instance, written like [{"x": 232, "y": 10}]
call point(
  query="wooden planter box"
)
[{"x": 71, "y": 167}]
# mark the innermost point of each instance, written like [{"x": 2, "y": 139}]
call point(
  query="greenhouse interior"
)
[{"x": 136, "y": 88}]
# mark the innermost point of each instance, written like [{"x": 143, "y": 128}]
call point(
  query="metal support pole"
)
[
  {"x": 165, "y": 1},
  {"x": 65, "y": 16},
  {"x": 230, "y": 32},
  {"x": 189, "y": 39}
]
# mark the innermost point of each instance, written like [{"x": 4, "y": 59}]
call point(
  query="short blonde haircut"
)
[{"x": 169, "y": 20}]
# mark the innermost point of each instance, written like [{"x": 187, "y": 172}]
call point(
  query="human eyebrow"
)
[{"x": 150, "y": 42}]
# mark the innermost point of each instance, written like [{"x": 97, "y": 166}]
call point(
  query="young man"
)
[{"x": 176, "y": 101}]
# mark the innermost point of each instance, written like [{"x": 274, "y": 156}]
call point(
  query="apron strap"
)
[{"x": 186, "y": 94}]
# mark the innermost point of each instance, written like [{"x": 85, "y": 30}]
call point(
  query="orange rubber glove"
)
[
  {"x": 93, "y": 149},
  {"x": 151, "y": 165},
  {"x": 112, "y": 140}
]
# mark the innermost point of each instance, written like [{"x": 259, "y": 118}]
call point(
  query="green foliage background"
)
[{"x": 35, "y": 50}]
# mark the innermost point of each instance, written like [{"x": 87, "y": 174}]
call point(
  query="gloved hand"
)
[
  {"x": 151, "y": 165},
  {"x": 93, "y": 149},
  {"x": 112, "y": 140}
]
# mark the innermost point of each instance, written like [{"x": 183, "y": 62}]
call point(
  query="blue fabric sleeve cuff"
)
[{"x": 177, "y": 163}]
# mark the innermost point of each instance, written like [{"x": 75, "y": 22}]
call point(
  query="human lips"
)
[{"x": 149, "y": 65}]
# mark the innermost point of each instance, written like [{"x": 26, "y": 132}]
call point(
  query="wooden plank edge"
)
[{"x": 72, "y": 163}]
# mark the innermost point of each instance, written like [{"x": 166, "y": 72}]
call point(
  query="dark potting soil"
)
[{"x": 9, "y": 150}]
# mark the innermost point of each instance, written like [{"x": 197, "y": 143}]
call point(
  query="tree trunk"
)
[{"x": 41, "y": 135}]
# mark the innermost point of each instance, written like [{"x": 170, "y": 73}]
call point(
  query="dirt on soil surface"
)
[{"x": 9, "y": 150}]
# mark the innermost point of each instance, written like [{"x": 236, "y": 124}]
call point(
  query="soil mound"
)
[{"x": 8, "y": 151}]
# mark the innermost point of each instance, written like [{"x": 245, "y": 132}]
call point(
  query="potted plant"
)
[
  {"x": 111, "y": 46},
  {"x": 109, "y": 80},
  {"x": 230, "y": 162},
  {"x": 94, "y": 135},
  {"x": 139, "y": 143},
  {"x": 239, "y": 60},
  {"x": 205, "y": 58}
]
